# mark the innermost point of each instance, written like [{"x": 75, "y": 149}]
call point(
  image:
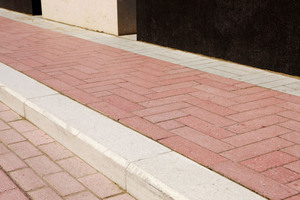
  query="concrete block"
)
[
  {"x": 98, "y": 156},
  {"x": 182, "y": 178},
  {"x": 116, "y": 17},
  {"x": 119, "y": 139},
  {"x": 22, "y": 84},
  {"x": 12, "y": 99}
]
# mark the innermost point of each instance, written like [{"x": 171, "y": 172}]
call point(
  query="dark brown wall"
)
[
  {"x": 263, "y": 34},
  {"x": 25, "y": 6},
  {"x": 127, "y": 16}
]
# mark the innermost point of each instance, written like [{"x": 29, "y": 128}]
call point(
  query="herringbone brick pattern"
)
[{"x": 247, "y": 133}]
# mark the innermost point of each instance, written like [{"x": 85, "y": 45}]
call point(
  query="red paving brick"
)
[
  {"x": 222, "y": 101},
  {"x": 6, "y": 183},
  {"x": 9, "y": 116},
  {"x": 295, "y": 185},
  {"x": 38, "y": 137},
  {"x": 216, "y": 121},
  {"x": 293, "y": 150},
  {"x": 217, "y": 84},
  {"x": 56, "y": 151},
  {"x": 256, "y": 104},
  {"x": 256, "y": 149},
  {"x": 170, "y": 124},
  {"x": 293, "y": 125},
  {"x": 165, "y": 116},
  {"x": 291, "y": 115},
  {"x": 267, "y": 161},
  {"x": 210, "y": 106},
  {"x": 192, "y": 150},
  {"x": 41, "y": 169},
  {"x": 44, "y": 194},
  {"x": 10, "y": 136},
  {"x": 82, "y": 195},
  {"x": 43, "y": 165},
  {"x": 13, "y": 195},
  {"x": 146, "y": 128},
  {"x": 10, "y": 162},
  {"x": 293, "y": 137},
  {"x": 111, "y": 110},
  {"x": 257, "y": 135},
  {"x": 296, "y": 197},
  {"x": 255, "y": 124},
  {"x": 24, "y": 149},
  {"x": 76, "y": 167},
  {"x": 161, "y": 109},
  {"x": 253, "y": 114},
  {"x": 100, "y": 185},
  {"x": 205, "y": 127},
  {"x": 295, "y": 166},
  {"x": 27, "y": 179},
  {"x": 202, "y": 139},
  {"x": 255, "y": 181},
  {"x": 282, "y": 175}
]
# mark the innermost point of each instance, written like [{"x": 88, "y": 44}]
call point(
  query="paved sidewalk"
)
[
  {"x": 247, "y": 133},
  {"x": 44, "y": 169}
]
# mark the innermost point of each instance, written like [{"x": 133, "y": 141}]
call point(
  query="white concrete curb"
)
[{"x": 144, "y": 168}]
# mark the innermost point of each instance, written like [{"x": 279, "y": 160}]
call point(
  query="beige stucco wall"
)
[{"x": 100, "y": 15}]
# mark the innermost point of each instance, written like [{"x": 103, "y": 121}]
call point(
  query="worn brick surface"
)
[
  {"x": 257, "y": 135},
  {"x": 294, "y": 166},
  {"x": 55, "y": 151},
  {"x": 34, "y": 166},
  {"x": 38, "y": 137},
  {"x": 9, "y": 116},
  {"x": 22, "y": 126},
  {"x": 6, "y": 183},
  {"x": 208, "y": 118},
  {"x": 100, "y": 185},
  {"x": 10, "y": 162},
  {"x": 64, "y": 183},
  {"x": 24, "y": 149},
  {"x": 192, "y": 150},
  {"x": 295, "y": 185},
  {"x": 202, "y": 139},
  {"x": 43, "y": 165},
  {"x": 282, "y": 175},
  {"x": 27, "y": 179},
  {"x": 256, "y": 149},
  {"x": 10, "y": 136},
  {"x": 83, "y": 195},
  {"x": 255, "y": 181},
  {"x": 76, "y": 167},
  {"x": 44, "y": 194},
  {"x": 13, "y": 194},
  {"x": 267, "y": 161}
]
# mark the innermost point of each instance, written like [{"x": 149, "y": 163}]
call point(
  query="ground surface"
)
[{"x": 245, "y": 132}]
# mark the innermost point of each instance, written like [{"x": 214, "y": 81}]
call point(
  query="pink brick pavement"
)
[
  {"x": 34, "y": 166},
  {"x": 244, "y": 132}
]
